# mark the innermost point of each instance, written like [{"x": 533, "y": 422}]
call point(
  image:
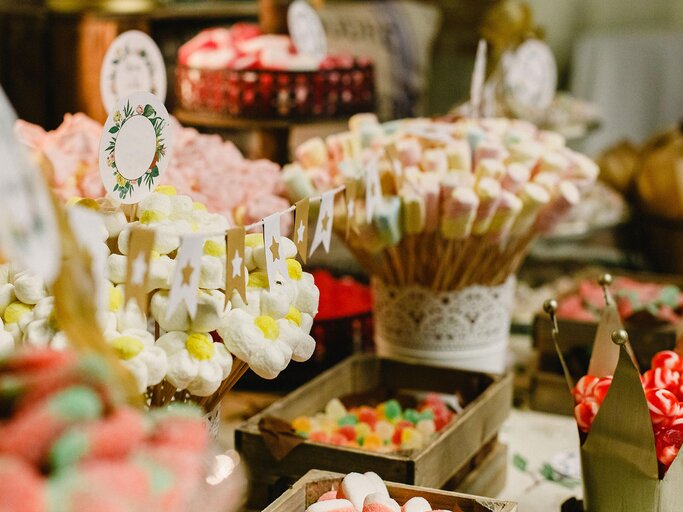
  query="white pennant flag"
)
[
  {"x": 478, "y": 80},
  {"x": 323, "y": 227},
  {"x": 185, "y": 283},
  {"x": 272, "y": 240},
  {"x": 373, "y": 189}
]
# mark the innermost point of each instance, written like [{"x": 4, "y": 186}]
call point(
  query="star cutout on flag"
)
[
  {"x": 325, "y": 221},
  {"x": 236, "y": 263},
  {"x": 275, "y": 249},
  {"x": 139, "y": 269},
  {"x": 187, "y": 271},
  {"x": 300, "y": 232}
]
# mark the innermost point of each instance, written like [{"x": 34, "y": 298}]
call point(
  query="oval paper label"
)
[
  {"x": 306, "y": 30},
  {"x": 133, "y": 63},
  {"x": 135, "y": 147},
  {"x": 531, "y": 77}
]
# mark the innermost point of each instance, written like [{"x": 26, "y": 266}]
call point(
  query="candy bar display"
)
[
  {"x": 384, "y": 428},
  {"x": 172, "y": 355},
  {"x": 441, "y": 210},
  {"x": 241, "y": 72},
  {"x": 207, "y": 168},
  {"x": 69, "y": 443}
]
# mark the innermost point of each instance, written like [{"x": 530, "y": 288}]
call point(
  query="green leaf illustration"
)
[
  {"x": 519, "y": 462},
  {"x": 114, "y": 129},
  {"x": 149, "y": 111}
]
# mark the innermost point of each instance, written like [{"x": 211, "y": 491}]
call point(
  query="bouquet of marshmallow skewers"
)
[
  {"x": 173, "y": 356},
  {"x": 444, "y": 205}
]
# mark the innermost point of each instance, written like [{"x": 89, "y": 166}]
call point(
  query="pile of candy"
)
[
  {"x": 385, "y": 428},
  {"x": 192, "y": 354},
  {"x": 365, "y": 493},
  {"x": 206, "y": 167},
  {"x": 493, "y": 183},
  {"x": 663, "y": 385},
  {"x": 243, "y": 46},
  {"x": 637, "y": 301},
  {"x": 68, "y": 443}
]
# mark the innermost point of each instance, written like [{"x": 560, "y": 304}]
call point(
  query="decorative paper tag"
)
[
  {"x": 133, "y": 63},
  {"x": 323, "y": 227},
  {"x": 350, "y": 197},
  {"x": 28, "y": 231},
  {"x": 135, "y": 147},
  {"x": 530, "y": 76},
  {"x": 137, "y": 269},
  {"x": 478, "y": 79},
  {"x": 275, "y": 261},
  {"x": 306, "y": 30},
  {"x": 373, "y": 189},
  {"x": 234, "y": 272},
  {"x": 301, "y": 228},
  {"x": 86, "y": 225},
  {"x": 185, "y": 283}
]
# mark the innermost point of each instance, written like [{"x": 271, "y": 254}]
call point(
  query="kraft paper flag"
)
[
  {"x": 276, "y": 265},
  {"x": 235, "y": 272},
  {"x": 301, "y": 228},
  {"x": 137, "y": 268},
  {"x": 395, "y": 161},
  {"x": 323, "y": 227},
  {"x": 185, "y": 282}
]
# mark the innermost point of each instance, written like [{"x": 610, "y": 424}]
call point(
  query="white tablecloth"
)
[{"x": 635, "y": 77}]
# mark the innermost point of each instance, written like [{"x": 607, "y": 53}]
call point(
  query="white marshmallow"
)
[
  {"x": 211, "y": 311},
  {"x": 29, "y": 288},
  {"x": 7, "y": 296},
  {"x": 416, "y": 504},
  {"x": 116, "y": 268},
  {"x": 212, "y": 273},
  {"x": 178, "y": 321},
  {"x": 356, "y": 488}
]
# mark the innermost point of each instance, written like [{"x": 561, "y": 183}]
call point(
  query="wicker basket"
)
[{"x": 277, "y": 94}]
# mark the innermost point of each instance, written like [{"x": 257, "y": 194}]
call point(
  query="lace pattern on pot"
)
[{"x": 418, "y": 318}]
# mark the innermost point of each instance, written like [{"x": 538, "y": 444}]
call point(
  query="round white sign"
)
[
  {"x": 135, "y": 147},
  {"x": 530, "y": 77},
  {"x": 133, "y": 63},
  {"x": 306, "y": 30}
]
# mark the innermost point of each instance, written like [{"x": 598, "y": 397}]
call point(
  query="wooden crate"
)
[
  {"x": 487, "y": 404},
  {"x": 315, "y": 483},
  {"x": 486, "y": 474}
]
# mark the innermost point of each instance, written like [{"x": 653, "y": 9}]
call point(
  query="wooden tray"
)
[
  {"x": 488, "y": 403},
  {"x": 312, "y": 485}
]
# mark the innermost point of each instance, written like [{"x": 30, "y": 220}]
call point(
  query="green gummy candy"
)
[
  {"x": 361, "y": 441},
  {"x": 348, "y": 419},
  {"x": 302, "y": 434},
  {"x": 69, "y": 449},
  {"x": 76, "y": 404},
  {"x": 411, "y": 415},
  {"x": 427, "y": 414},
  {"x": 392, "y": 409}
]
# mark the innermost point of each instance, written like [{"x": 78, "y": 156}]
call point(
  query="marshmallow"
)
[
  {"x": 567, "y": 197},
  {"x": 7, "y": 296},
  {"x": 387, "y": 220},
  {"x": 212, "y": 273},
  {"x": 155, "y": 202},
  {"x": 211, "y": 311},
  {"x": 489, "y": 168},
  {"x": 459, "y": 213},
  {"x": 4, "y": 273},
  {"x": 312, "y": 153},
  {"x": 377, "y": 482},
  {"x": 138, "y": 353},
  {"x": 413, "y": 212},
  {"x": 114, "y": 222},
  {"x": 13, "y": 330},
  {"x": 459, "y": 156},
  {"x": 301, "y": 344},
  {"x": 256, "y": 341},
  {"x": 287, "y": 250},
  {"x": 356, "y": 487},
  {"x": 409, "y": 152},
  {"x": 181, "y": 207},
  {"x": 533, "y": 197},
  {"x": 29, "y": 288},
  {"x": 504, "y": 216},
  {"x": 179, "y": 320},
  {"x": 364, "y": 119},
  {"x": 195, "y": 362},
  {"x": 39, "y": 333},
  {"x": 307, "y": 294},
  {"x": 378, "y": 502},
  {"x": 117, "y": 268},
  {"x": 515, "y": 177},
  {"x": 297, "y": 182},
  {"x": 430, "y": 189},
  {"x": 6, "y": 342},
  {"x": 489, "y": 191},
  {"x": 435, "y": 160},
  {"x": 416, "y": 504},
  {"x": 160, "y": 273}
]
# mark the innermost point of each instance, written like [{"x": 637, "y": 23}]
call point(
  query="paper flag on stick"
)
[
  {"x": 373, "y": 189},
  {"x": 301, "y": 228},
  {"x": 137, "y": 269},
  {"x": 395, "y": 161},
  {"x": 323, "y": 227},
  {"x": 276, "y": 266},
  {"x": 478, "y": 78},
  {"x": 235, "y": 278},
  {"x": 185, "y": 283}
]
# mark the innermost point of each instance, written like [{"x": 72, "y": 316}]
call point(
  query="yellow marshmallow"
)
[
  {"x": 200, "y": 346},
  {"x": 15, "y": 311},
  {"x": 258, "y": 279},
  {"x": 127, "y": 347},
  {"x": 198, "y": 206},
  {"x": 213, "y": 248},
  {"x": 253, "y": 240},
  {"x": 268, "y": 326},
  {"x": 168, "y": 190},
  {"x": 149, "y": 216},
  {"x": 294, "y": 269},
  {"x": 294, "y": 316}
]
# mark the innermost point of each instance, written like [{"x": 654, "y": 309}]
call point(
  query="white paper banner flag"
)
[
  {"x": 478, "y": 79},
  {"x": 373, "y": 189},
  {"x": 28, "y": 231},
  {"x": 323, "y": 227},
  {"x": 88, "y": 226},
  {"x": 185, "y": 282},
  {"x": 276, "y": 265}
]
